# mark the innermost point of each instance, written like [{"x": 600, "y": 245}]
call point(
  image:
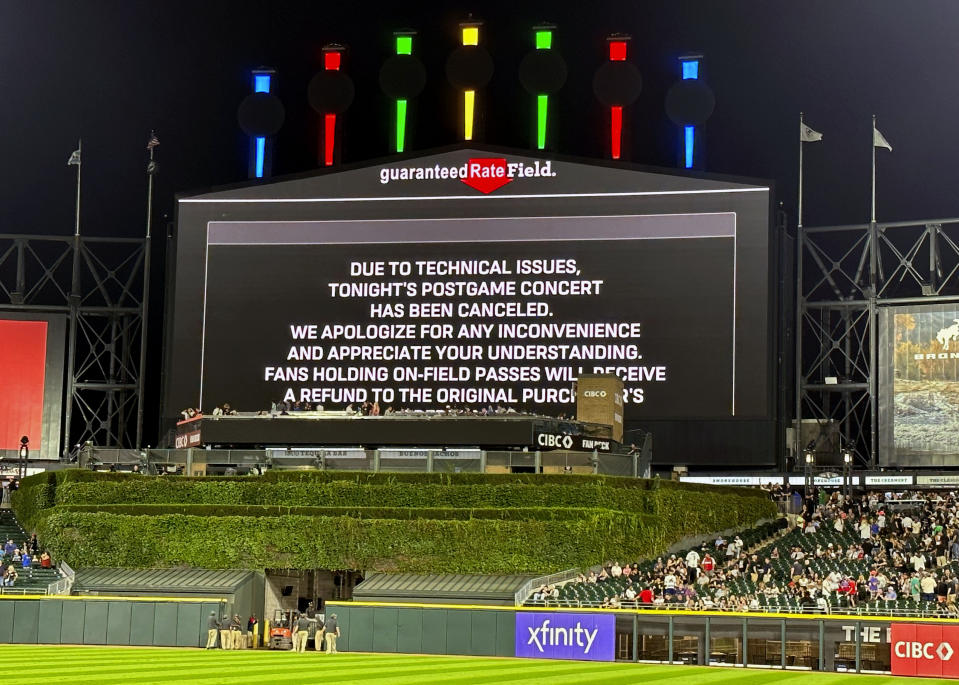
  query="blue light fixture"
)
[
  {"x": 690, "y": 68},
  {"x": 262, "y": 83},
  {"x": 690, "y": 71}
]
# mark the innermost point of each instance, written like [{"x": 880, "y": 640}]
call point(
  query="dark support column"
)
[
  {"x": 782, "y": 645},
  {"x": 669, "y": 642},
  {"x": 707, "y": 648},
  {"x": 745, "y": 635},
  {"x": 858, "y": 646},
  {"x": 822, "y": 645},
  {"x": 635, "y": 637}
]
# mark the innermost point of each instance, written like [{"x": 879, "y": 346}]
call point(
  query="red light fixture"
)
[{"x": 332, "y": 60}]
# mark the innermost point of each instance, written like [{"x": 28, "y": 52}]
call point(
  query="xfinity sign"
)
[
  {"x": 587, "y": 637},
  {"x": 924, "y": 650}
]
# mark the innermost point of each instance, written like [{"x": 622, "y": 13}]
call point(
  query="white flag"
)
[
  {"x": 74, "y": 158},
  {"x": 808, "y": 135},
  {"x": 879, "y": 140}
]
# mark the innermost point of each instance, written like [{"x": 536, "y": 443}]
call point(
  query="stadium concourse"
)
[{"x": 874, "y": 553}]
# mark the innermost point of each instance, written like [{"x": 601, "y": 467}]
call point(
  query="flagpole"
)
[
  {"x": 872, "y": 215},
  {"x": 76, "y": 220},
  {"x": 151, "y": 172},
  {"x": 799, "y": 223}
]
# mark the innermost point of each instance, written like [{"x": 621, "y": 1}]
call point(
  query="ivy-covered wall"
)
[{"x": 430, "y": 523}]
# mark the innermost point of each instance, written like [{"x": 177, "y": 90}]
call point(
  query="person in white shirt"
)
[{"x": 692, "y": 565}]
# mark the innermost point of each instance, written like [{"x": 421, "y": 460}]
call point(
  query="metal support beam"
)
[
  {"x": 100, "y": 285},
  {"x": 845, "y": 275}
]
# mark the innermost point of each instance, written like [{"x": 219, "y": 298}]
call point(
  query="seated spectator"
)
[
  {"x": 45, "y": 561},
  {"x": 10, "y": 576}
]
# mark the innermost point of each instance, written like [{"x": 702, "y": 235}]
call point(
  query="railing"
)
[
  {"x": 523, "y": 594},
  {"x": 64, "y": 585},
  {"x": 428, "y": 460},
  {"x": 865, "y": 610},
  {"x": 11, "y": 590}
]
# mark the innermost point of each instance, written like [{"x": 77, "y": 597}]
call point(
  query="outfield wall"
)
[
  {"x": 779, "y": 641},
  {"x": 146, "y": 621}
]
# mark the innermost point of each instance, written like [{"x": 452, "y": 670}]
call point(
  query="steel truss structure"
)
[
  {"x": 101, "y": 285},
  {"x": 845, "y": 274}
]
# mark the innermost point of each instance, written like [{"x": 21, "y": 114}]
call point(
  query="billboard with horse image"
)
[{"x": 919, "y": 385}]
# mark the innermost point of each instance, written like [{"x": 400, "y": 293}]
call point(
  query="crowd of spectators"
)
[
  {"x": 289, "y": 408},
  {"x": 873, "y": 552},
  {"x": 20, "y": 560}
]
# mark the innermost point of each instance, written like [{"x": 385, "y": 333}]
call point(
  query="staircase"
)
[{"x": 34, "y": 581}]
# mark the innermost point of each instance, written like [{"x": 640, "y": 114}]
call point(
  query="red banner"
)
[
  {"x": 920, "y": 649},
  {"x": 23, "y": 353}
]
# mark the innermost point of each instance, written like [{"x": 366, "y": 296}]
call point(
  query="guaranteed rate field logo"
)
[
  {"x": 484, "y": 174},
  {"x": 586, "y": 637}
]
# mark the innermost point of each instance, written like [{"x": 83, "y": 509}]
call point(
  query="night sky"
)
[{"x": 109, "y": 71}]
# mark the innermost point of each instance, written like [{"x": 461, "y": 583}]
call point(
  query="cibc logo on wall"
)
[
  {"x": 484, "y": 174},
  {"x": 586, "y": 637},
  {"x": 925, "y": 650}
]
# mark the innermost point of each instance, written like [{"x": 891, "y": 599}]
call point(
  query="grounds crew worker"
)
[
  {"x": 302, "y": 633},
  {"x": 213, "y": 625},
  {"x": 332, "y": 632},
  {"x": 236, "y": 633},
  {"x": 318, "y": 635},
  {"x": 226, "y": 641}
]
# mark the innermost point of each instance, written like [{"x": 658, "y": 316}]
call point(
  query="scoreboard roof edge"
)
[{"x": 465, "y": 171}]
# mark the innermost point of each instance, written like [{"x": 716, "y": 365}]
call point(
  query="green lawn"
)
[{"x": 137, "y": 666}]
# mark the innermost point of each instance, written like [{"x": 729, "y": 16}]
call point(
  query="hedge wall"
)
[
  {"x": 419, "y": 546},
  {"x": 394, "y": 522},
  {"x": 439, "y": 513}
]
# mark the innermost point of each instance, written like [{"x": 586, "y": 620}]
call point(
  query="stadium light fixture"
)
[
  {"x": 470, "y": 33},
  {"x": 617, "y": 53},
  {"x": 262, "y": 83},
  {"x": 544, "y": 41},
  {"x": 332, "y": 60},
  {"x": 810, "y": 458},
  {"x": 404, "y": 46},
  {"x": 689, "y": 65},
  {"x": 847, "y": 457}
]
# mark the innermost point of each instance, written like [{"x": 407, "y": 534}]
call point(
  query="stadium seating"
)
[{"x": 30, "y": 581}]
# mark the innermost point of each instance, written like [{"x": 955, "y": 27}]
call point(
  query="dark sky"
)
[
  {"x": 109, "y": 71},
  {"x": 112, "y": 70}
]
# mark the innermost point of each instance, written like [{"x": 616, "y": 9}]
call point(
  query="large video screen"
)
[
  {"x": 499, "y": 312},
  {"x": 31, "y": 383},
  {"x": 919, "y": 385}
]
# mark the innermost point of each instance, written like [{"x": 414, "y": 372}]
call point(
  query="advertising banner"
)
[
  {"x": 925, "y": 650},
  {"x": 585, "y": 637}
]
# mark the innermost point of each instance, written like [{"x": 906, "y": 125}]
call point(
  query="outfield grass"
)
[{"x": 41, "y": 665}]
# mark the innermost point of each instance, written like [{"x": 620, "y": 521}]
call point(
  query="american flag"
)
[{"x": 153, "y": 142}]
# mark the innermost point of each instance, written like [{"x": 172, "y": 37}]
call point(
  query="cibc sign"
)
[
  {"x": 925, "y": 650},
  {"x": 586, "y": 637}
]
